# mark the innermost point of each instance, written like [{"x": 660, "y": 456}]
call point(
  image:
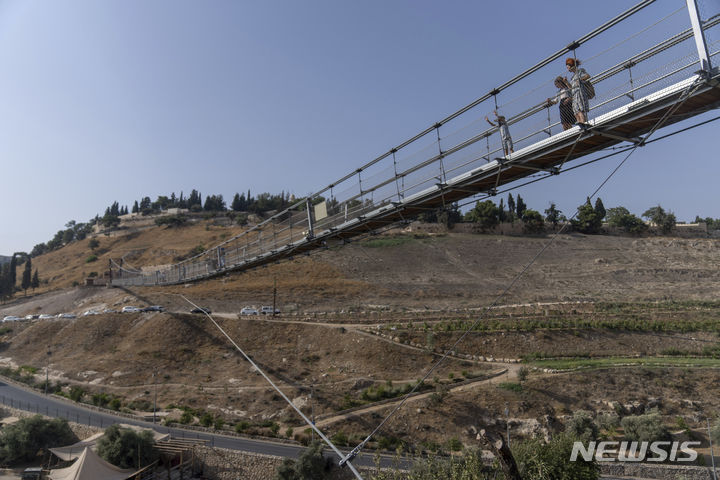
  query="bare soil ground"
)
[{"x": 409, "y": 285}]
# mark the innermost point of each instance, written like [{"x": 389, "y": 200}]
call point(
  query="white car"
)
[
  {"x": 45, "y": 316},
  {"x": 130, "y": 309},
  {"x": 66, "y": 315},
  {"x": 11, "y": 318},
  {"x": 90, "y": 312},
  {"x": 268, "y": 310},
  {"x": 31, "y": 316},
  {"x": 249, "y": 311}
]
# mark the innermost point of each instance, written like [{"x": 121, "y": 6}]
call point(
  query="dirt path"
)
[{"x": 498, "y": 376}]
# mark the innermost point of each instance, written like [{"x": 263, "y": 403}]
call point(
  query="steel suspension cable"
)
[{"x": 275, "y": 387}]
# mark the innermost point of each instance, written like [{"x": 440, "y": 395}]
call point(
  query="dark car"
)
[
  {"x": 201, "y": 310},
  {"x": 153, "y": 308}
]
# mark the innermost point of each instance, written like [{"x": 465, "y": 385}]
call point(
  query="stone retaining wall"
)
[{"x": 657, "y": 472}]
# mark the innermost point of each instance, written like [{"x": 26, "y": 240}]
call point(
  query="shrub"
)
[
  {"x": 186, "y": 418},
  {"x": 115, "y": 404},
  {"x": 454, "y": 444},
  {"x": 608, "y": 421},
  {"x": 310, "y": 465},
  {"x": 91, "y": 258},
  {"x": 172, "y": 220},
  {"x": 21, "y": 441},
  {"x": 582, "y": 426},
  {"x": 340, "y": 438},
  {"x": 513, "y": 387},
  {"x": 240, "y": 427},
  {"x": 126, "y": 448},
  {"x": 537, "y": 459},
  {"x": 206, "y": 419},
  {"x": 76, "y": 393},
  {"x": 100, "y": 399},
  {"x": 645, "y": 428}
]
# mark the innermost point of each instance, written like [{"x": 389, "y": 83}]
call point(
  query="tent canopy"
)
[{"x": 89, "y": 466}]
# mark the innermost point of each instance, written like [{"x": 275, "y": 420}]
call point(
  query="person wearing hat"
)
[{"x": 580, "y": 102}]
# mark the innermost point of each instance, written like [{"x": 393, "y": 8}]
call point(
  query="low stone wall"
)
[
  {"x": 221, "y": 464},
  {"x": 657, "y": 472}
]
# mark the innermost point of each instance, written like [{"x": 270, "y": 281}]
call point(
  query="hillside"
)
[{"x": 360, "y": 322}]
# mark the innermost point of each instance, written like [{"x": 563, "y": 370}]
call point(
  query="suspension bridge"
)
[{"x": 645, "y": 79}]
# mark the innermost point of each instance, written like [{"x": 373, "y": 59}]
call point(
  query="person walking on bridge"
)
[
  {"x": 565, "y": 101},
  {"x": 505, "y": 137},
  {"x": 580, "y": 100}
]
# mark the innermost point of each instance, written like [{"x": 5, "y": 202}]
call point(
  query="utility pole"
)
[
  {"x": 712, "y": 455},
  {"x": 507, "y": 422},
  {"x": 155, "y": 402},
  {"x": 47, "y": 370},
  {"x": 274, "y": 296},
  {"x": 312, "y": 408}
]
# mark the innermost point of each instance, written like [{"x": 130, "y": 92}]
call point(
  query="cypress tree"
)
[
  {"x": 26, "y": 276},
  {"x": 35, "y": 282},
  {"x": 13, "y": 274}
]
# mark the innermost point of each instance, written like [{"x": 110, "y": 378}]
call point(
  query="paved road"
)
[{"x": 28, "y": 400}]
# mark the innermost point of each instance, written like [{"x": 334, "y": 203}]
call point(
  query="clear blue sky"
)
[{"x": 115, "y": 100}]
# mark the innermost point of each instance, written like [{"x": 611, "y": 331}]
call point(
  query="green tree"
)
[
  {"x": 486, "y": 214},
  {"x": 664, "y": 220},
  {"x": 521, "y": 207},
  {"x": 20, "y": 442},
  {"x": 553, "y": 215},
  {"x": 582, "y": 426},
  {"x": 26, "y": 281},
  {"x": 35, "y": 282},
  {"x": 511, "y": 207},
  {"x": 126, "y": 448},
  {"x": 502, "y": 214},
  {"x": 586, "y": 220},
  {"x": 449, "y": 216},
  {"x": 600, "y": 209},
  {"x": 310, "y": 465},
  {"x": 533, "y": 222},
  {"x": 136, "y": 207},
  {"x": 622, "y": 218},
  {"x": 13, "y": 273},
  {"x": 645, "y": 428},
  {"x": 539, "y": 460},
  {"x": 238, "y": 203}
]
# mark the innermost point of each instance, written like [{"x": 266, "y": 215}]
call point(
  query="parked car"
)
[
  {"x": 32, "y": 473},
  {"x": 109, "y": 310},
  {"x": 11, "y": 318},
  {"x": 130, "y": 309},
  {"x": 90, "y": 312},
  {"x": 153, "y": 308},
  {"x": 249, "y": 311},
  {"x": 45, "y": 316},
  {"x": 32, "y": 316},
  {"x": 66, "y": 315},
  {"x": 201, "y": 310},
  {"x": 268, "y": 310}
]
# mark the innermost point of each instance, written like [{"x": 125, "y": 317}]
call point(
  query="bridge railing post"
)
[
  {"x": 699, "y": 35},
  {"x": 309, "y": 206}
]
